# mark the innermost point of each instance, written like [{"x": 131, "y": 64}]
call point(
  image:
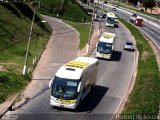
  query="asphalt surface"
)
[{"x": 112, "y": 81}]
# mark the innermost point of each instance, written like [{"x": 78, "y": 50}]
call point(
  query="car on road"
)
[
  {"x": 114, "y": 9},
  {"x": 103, "y": 15},
  {"x": 129, "y": 46}
]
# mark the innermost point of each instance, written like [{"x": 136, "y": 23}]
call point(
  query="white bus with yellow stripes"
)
[
  {"x": 73, "y": 81},
  {"x": 111, "y": 19},
  {"x": 105, "y": 45}
]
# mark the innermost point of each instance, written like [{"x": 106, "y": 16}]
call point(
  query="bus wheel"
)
[
  {"x": 92, "y": 87},
  {"x": 80, "y": 100}
]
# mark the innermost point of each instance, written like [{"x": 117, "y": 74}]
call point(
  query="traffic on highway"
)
[
  {"x": 87, "y": 87},
  {"x": 113, "y": 80}
]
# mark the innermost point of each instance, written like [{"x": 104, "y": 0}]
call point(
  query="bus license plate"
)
[{"x": 61, "y": 105}]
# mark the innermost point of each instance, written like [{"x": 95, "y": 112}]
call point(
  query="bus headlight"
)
[
  {"x": 53, "y": 99},
  {"x": 72, "y": 101},
  {"x": 62, "y": 101}
]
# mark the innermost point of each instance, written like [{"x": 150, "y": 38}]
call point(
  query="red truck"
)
[{"x": 136, "y": 20}]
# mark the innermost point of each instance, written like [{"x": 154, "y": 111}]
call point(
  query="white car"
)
[{"x": 129, "y": 46}]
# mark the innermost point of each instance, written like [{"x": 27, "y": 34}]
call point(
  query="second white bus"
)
[
  {"x": 105, "y": 45},
  {"x": 110, "y": 19}
]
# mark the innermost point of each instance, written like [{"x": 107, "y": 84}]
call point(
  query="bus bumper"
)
[
  {"x": 101, "y": 55},
  {"x": 63, "y": 104},
  {"x": 109, "y": 25}
]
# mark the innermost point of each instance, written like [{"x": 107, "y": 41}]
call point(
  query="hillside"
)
[
  {"x": 68, "y": 10},
  {"x": 15, "y": 25}
]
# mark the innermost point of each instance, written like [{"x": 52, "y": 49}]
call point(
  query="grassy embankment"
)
[
  {"x": 144, "y": 98},
  {"x": 15, "y": 22}
]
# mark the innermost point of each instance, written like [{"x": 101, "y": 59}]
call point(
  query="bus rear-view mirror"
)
[
  {"x": 79, "y": 87},
  {"x": 50, "y": 83}
]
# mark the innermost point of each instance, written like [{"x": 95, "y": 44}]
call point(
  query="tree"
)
[
  {"x": 148, "y": 4},
  {"x": 84, "y": 1},
  {"x": 73, "y": 1},
  {"x": 158, "y": 4},
  {"x": 133, "y": 2}
]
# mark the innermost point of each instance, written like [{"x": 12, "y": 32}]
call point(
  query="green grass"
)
[
  {"x": 70, "y": 11},
  {"x": 11, "y": 83},
  {"x": 14, "y": 34},
  {"x": 83, "y": 29},
  {"x": 144, "y": 98}
]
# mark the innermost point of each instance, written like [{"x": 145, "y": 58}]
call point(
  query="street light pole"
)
[
  {"x": 28, "y": 46},
  {"x": 87, "y": 49},
  {"x": 35, "y": 59},
  {"x": 61, "y": 5}
]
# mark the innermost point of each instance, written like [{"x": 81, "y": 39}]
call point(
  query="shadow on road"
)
[
  {"x": 116, "y": 26},
  {"x": 92, "y": 100},
  {"x": 116, "y": 56}
]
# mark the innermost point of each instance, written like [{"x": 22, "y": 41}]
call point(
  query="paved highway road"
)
[{"x": 113, "y": 79}]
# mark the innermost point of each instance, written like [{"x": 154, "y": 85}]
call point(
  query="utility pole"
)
[
  {"x": 100, "y": 23},
  {"x": 39, "y": 4},
  {"x": 28, "y": 46},
  {"x": 88, "y": 44},
  {"x": 61, "y": 5},
  {"x": 98, "y": 3}
]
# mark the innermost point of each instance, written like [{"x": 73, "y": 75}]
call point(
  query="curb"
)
[{"x": 9, "y": 104}]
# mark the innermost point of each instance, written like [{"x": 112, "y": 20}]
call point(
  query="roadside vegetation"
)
[
  {"x": 144, "y": 98},
  {"x": 14, "y": 32}
]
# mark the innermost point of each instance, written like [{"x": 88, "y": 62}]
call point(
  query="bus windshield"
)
[
  {"x": 64, "y": 88},
  {"x": 104, "y": 47},
  {"x": 110, "y": 20}
]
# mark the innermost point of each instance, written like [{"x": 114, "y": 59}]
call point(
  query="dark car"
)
[
  {"x": 103, "y": 16},
  {"x": 129, "y": 46},
  {"x": 114, "y": 9},
  {"x": 134, "y": 15}
]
